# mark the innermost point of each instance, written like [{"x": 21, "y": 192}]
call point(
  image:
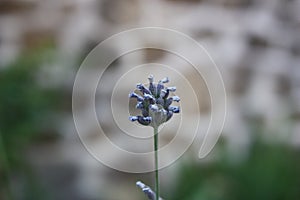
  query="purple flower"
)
[
  {"x": 155, "y": 103},
  {"x": 147, "y": 190}
]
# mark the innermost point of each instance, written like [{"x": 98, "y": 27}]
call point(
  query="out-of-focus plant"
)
[
  {"x": 25, "y": 114},
  {"x": 271, "y": 171}
]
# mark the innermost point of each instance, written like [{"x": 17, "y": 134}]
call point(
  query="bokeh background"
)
[{"x": 257, "y": 45}]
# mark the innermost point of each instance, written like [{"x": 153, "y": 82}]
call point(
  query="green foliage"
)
[
  {"x": 24, "y": 105},
  {"x": 272, "y": 171},
  {"x": 26, "y": 110}
]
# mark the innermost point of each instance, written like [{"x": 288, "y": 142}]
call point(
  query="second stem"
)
[{"x": 156, "y": 163}]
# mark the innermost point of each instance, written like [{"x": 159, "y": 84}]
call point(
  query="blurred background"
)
[{"x": 257, "y": 45}]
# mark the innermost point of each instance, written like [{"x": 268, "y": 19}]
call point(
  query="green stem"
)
[
  {"x": 156, "y": 163},
  {"x": 5, "y": 165}
]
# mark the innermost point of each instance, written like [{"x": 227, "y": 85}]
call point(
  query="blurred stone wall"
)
[{"x": 256, "y": 44}]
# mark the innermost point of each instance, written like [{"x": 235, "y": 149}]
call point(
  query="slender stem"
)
[{"x": 156, "y": 162}]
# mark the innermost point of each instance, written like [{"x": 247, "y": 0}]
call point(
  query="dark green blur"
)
[
  {"x": 26, "y": 117},
  {"x": 269, "y": 172}
]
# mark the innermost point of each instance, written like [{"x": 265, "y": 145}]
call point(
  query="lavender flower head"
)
[
  {"x": 147, "y": 190},
  {"x": 155, "y": 103}
]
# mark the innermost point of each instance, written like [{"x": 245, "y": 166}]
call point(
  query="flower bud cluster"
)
[{"x": 155, "y": 103}]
